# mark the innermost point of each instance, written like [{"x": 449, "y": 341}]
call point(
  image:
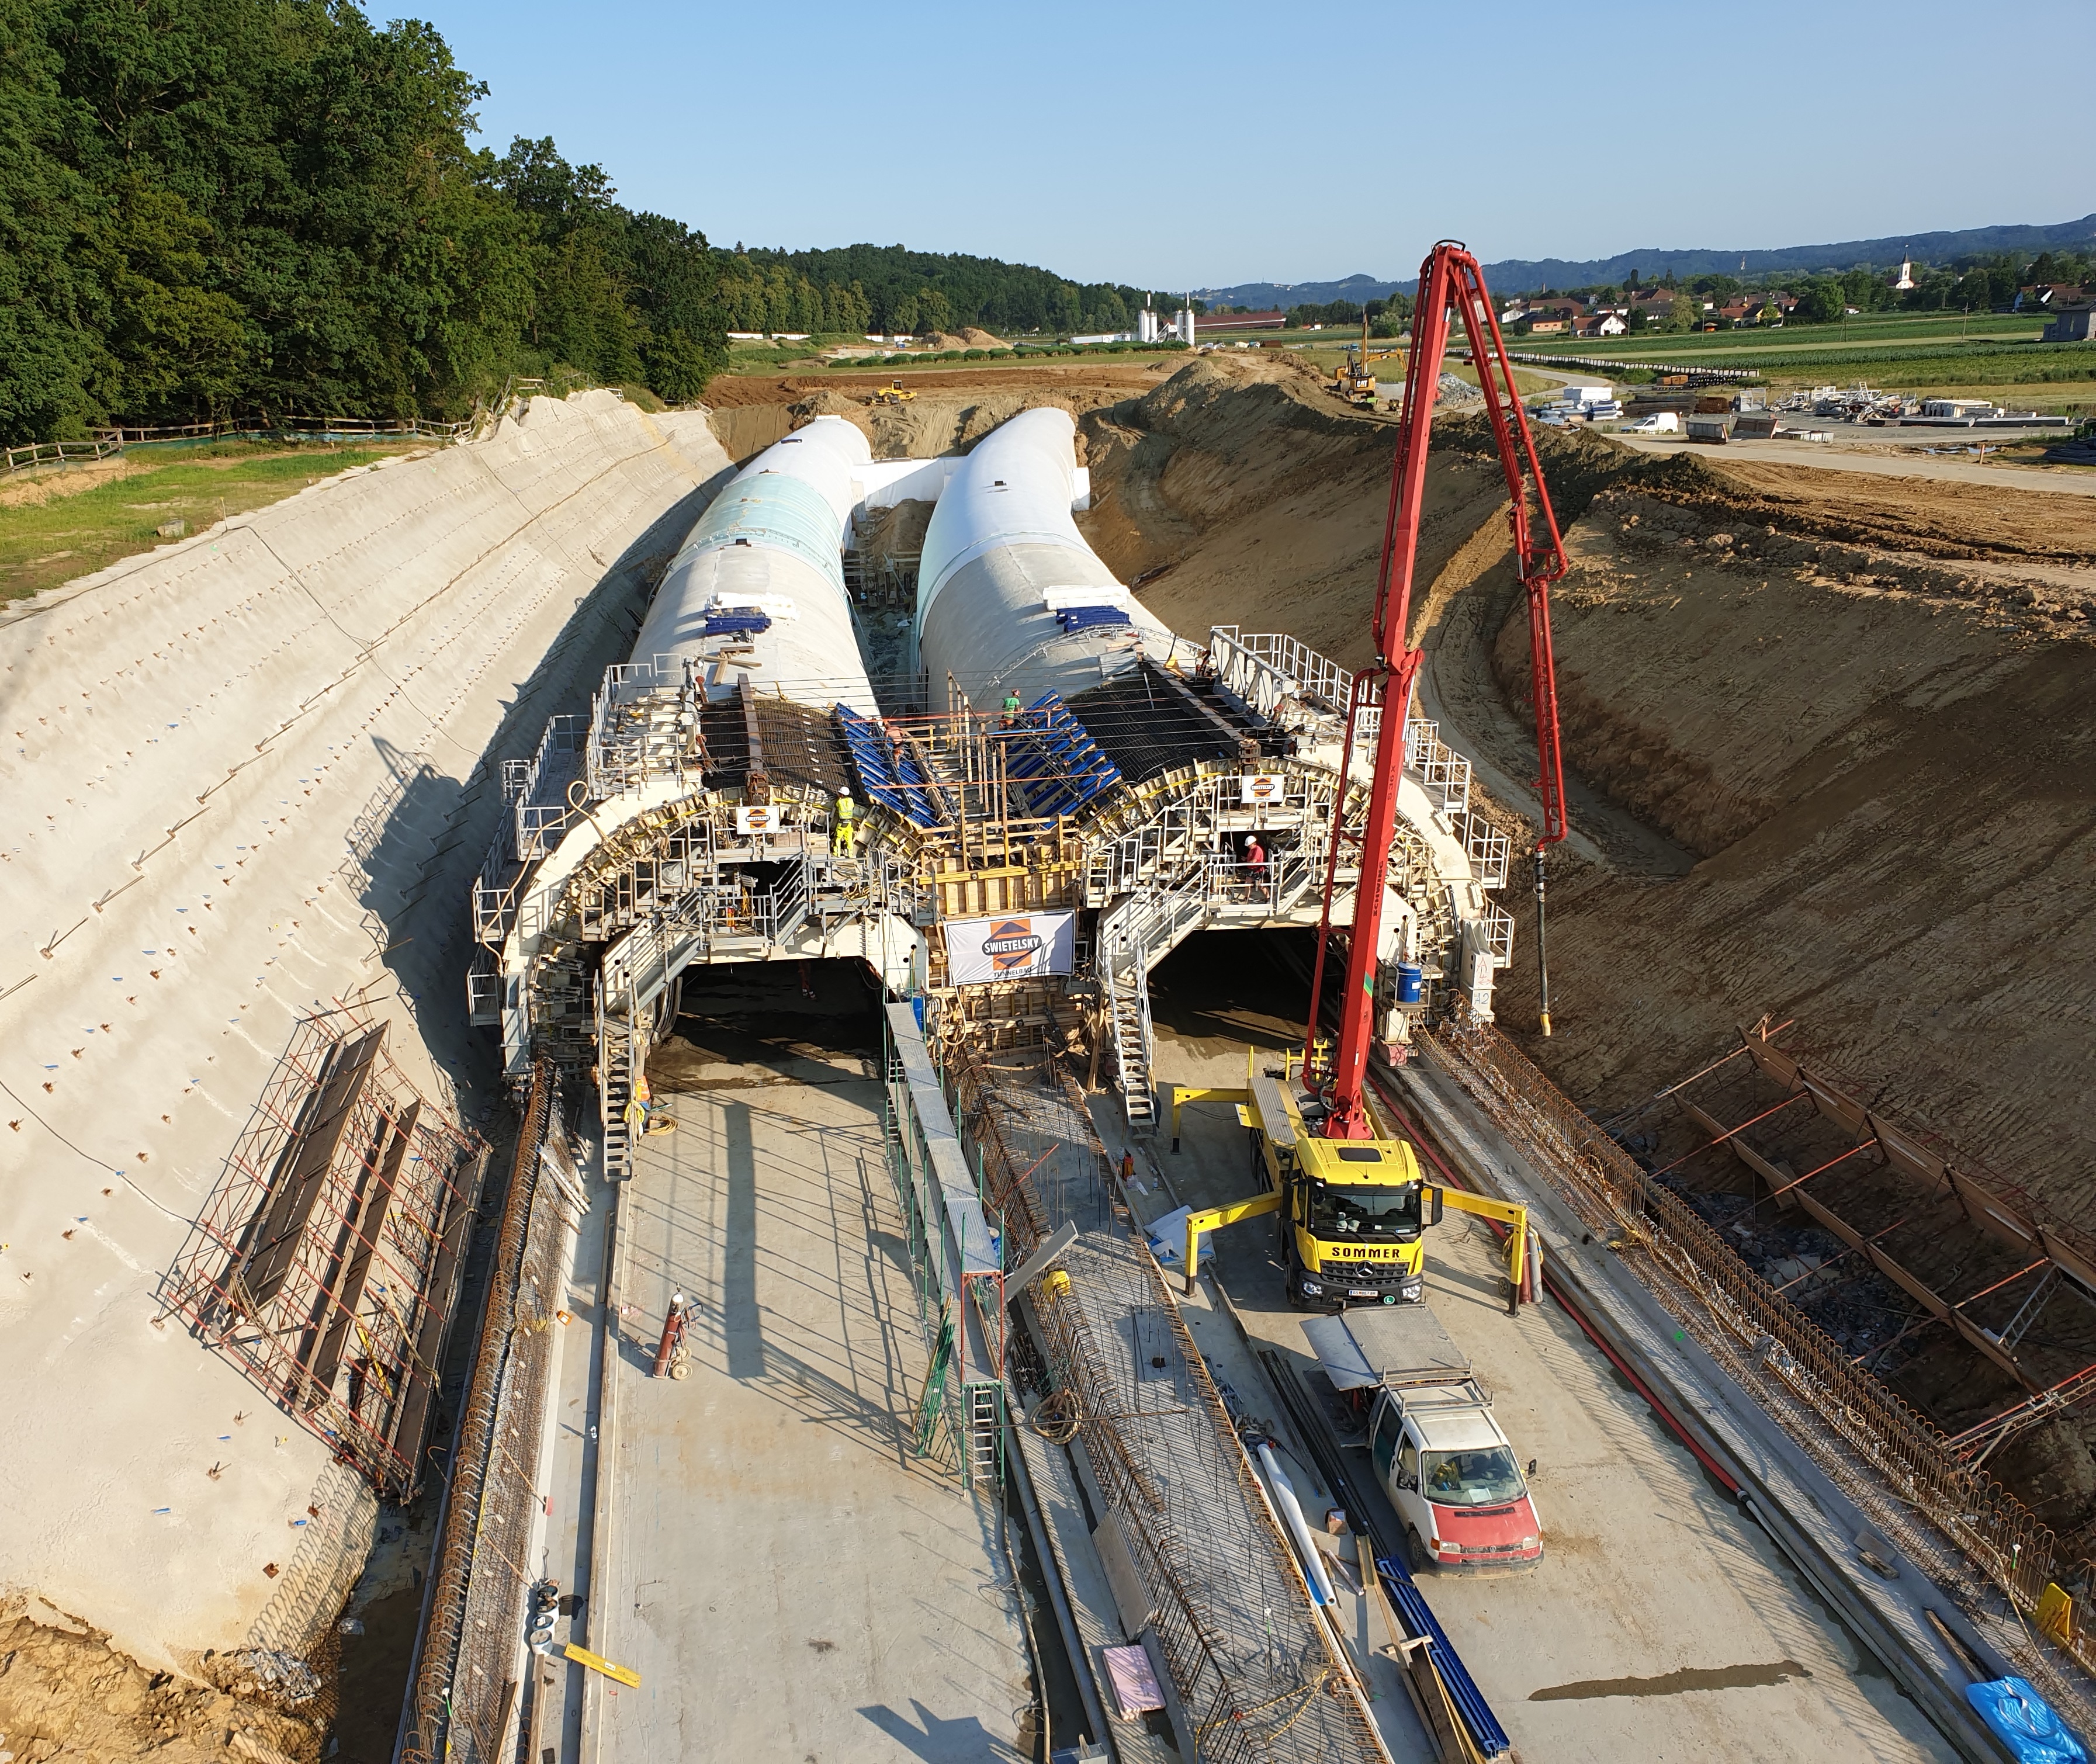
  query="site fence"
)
[
  {"x": 465, "y": 1677},
  {"x": 1985, "y": 1539},
  {"x": 117, "y": 438}
]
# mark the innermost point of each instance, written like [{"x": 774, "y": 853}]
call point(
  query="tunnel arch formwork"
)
[{"x": 694, "y": 817}]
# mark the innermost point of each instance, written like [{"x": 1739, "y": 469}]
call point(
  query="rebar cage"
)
[{"x": 326, "y": 1263}]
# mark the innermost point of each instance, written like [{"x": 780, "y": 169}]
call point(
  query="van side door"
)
[{"x": 1383, "y": 1437}]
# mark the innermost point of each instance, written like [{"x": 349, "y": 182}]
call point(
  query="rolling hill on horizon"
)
[{"x": 1656, "y": 263}]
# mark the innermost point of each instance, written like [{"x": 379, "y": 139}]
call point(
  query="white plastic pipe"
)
[{"x": 1292, "y": 1515}]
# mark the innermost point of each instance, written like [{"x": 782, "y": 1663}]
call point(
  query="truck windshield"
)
[
  {"x": 1365, "y": 1215},
  {"x": 1483, "y": 1478}
]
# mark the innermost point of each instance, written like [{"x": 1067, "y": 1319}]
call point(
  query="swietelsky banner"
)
[{"x": 1014, "y": 946}]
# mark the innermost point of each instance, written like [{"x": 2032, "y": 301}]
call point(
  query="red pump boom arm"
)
[{"x": 1451, "y": 285}]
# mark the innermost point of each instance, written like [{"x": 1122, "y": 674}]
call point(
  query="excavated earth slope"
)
[{"x": 1833, "y": 757}]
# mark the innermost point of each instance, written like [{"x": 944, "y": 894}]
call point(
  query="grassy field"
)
[
  {"x": 72, "y": 523},
  {"x": 1998, "y": 356}
]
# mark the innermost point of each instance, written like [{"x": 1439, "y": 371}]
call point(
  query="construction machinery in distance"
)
[
  {"x": 1354, "y": 379},
  {"x": 1354, "y": 1203},
  {"x": 892, "y": 394}
]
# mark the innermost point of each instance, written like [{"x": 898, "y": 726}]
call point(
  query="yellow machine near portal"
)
[
  {"x": 892, "y": 394},
  {"x": 1354, "y": 1212}
]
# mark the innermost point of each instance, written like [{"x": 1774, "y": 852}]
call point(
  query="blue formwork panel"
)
[
  {"x": 886, "y": 771},
  {"x": 1422, "y": 1625}
]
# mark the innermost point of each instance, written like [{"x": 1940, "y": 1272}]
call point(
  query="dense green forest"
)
[
  {"x": 275, "y": 208},
  {"x": 891, "y": 289}
]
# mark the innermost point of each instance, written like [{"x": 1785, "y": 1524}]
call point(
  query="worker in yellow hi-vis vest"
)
[{"x": 842, "y": 815}]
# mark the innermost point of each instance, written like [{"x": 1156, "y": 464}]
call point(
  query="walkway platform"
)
[{"x": 787, "y": 1579}]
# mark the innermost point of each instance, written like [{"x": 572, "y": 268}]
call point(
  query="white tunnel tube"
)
[
  {"x": 1291, "y": 1514},
  {"x": 771, "y": 542},
  {"x": 1002, "y": 558}
]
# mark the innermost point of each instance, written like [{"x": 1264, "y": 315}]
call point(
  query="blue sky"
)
[{"x": 1171, "y": 145}]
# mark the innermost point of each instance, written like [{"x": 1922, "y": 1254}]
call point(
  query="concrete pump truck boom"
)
[{"x": 1354, "y": 1203}]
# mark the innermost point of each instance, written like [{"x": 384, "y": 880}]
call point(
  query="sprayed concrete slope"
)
[{"x": 308, "y": 696}]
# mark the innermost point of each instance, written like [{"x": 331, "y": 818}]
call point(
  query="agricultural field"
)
[
  {"x": 58, "y": 525},
  {"x": 1999, "y": 356}
]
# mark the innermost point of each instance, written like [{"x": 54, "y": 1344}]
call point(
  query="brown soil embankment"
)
[
  {"x": 948, "y": 412},
  {"x": 1241, "y": 492},
  {"x": 66, "y": 1693},
  {"x": 1886, "y": 762}
]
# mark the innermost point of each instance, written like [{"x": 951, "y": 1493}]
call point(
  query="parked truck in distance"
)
[{"x": 1448, "y": 1469}]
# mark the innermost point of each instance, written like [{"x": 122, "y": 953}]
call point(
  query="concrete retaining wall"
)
[{"x": 246, "y": 777}]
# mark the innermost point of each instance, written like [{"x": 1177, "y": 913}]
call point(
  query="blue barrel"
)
[
  {"x": 1411, "y": 983},
  {"x": 917, "y": 1007}
]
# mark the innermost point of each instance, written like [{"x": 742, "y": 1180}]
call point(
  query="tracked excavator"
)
[{"x": 1354, "y": 1205}]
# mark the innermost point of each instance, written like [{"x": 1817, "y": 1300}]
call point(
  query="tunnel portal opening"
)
[{"x": 736, "y": 1021}]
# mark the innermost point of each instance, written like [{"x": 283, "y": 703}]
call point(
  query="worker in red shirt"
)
[{"x": 1255, "y": 864}]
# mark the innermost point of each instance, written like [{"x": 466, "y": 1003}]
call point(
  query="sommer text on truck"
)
[{"x": 1353, "y": 1213}]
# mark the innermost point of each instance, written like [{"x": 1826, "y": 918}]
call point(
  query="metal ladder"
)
[
  {"x": 615, "y": 1069},
  {"x": 1125, "y": 977},
  {"x": 982, "y": 1445}
]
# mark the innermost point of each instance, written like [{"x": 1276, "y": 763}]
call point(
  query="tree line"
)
[
  {"x": 1979, "y": 283},
  {"x": 891, "y": 290},
  {"x": 273, "y": 208}
]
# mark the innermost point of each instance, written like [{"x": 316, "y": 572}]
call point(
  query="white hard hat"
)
[{"x": 844, "y": 796}]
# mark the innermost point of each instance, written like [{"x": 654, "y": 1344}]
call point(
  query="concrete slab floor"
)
[
  {"x": 1661, "y": 1623},
  {"x": 788, "y": 1580}
]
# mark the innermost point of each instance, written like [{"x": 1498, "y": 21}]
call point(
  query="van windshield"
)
[
  {"x": 1364, "y": 1215},
  {"x": 1481, "y": 1478}
]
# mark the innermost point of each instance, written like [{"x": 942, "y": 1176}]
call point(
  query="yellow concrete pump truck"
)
[{"x": 1353, "y": 1213}]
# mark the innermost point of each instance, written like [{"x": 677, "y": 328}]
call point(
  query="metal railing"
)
[{"x": 1266, "y": 670}]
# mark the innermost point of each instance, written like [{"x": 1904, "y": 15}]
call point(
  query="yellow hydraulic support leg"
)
[
  {"x": 1514, "y": 1217},
  {"x": 1214, "y": 1218},
  {"x": 1182, "y": 1094}
]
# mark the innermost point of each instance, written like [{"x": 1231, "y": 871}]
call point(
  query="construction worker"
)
[
  {"x": 842, "y": 817},
  {"x": 641, "y": 1118},
  {"x": 1127, "y": 1168},
  {"x": 1255, "y": 864},
  {"x": 1012, "y": 708}
]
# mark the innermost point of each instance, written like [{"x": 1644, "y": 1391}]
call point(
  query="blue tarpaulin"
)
[{"x": 2025, "y": 1723}]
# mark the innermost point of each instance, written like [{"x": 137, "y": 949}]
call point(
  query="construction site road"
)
[
  {"x": 787, "y": 1578},
  {"x": 1834, "y": 456},
  {"x": 1662, "y": 1623}
]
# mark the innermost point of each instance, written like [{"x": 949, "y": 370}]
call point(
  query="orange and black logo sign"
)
[{"x": 1012, "y": 945}]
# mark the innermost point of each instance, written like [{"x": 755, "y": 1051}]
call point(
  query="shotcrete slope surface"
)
[{"x": 312, "y": 697}]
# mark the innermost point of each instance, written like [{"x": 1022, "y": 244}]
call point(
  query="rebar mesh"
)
[
  {"x": 1975, "y": 1538},
  {"x": 326, "y": 1262},
  {"x": 1255, "y": 1667},
  {"x": 459, "y": 1702}
]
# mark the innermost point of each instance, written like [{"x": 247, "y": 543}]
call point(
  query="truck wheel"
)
[{"x": 1415, "y": 1550}]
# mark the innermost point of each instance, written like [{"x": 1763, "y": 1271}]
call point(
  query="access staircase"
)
[
  {"x": 617, "y": 1066},
  {"x": 1151, "y": 923}
]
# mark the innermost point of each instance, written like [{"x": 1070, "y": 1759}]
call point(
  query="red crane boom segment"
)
[{"x": 1451, "y": 284}]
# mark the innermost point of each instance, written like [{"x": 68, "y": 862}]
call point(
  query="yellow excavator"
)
[
  {"x": 892, "y": 394},
  {"x": 1354, "y": 379}
]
